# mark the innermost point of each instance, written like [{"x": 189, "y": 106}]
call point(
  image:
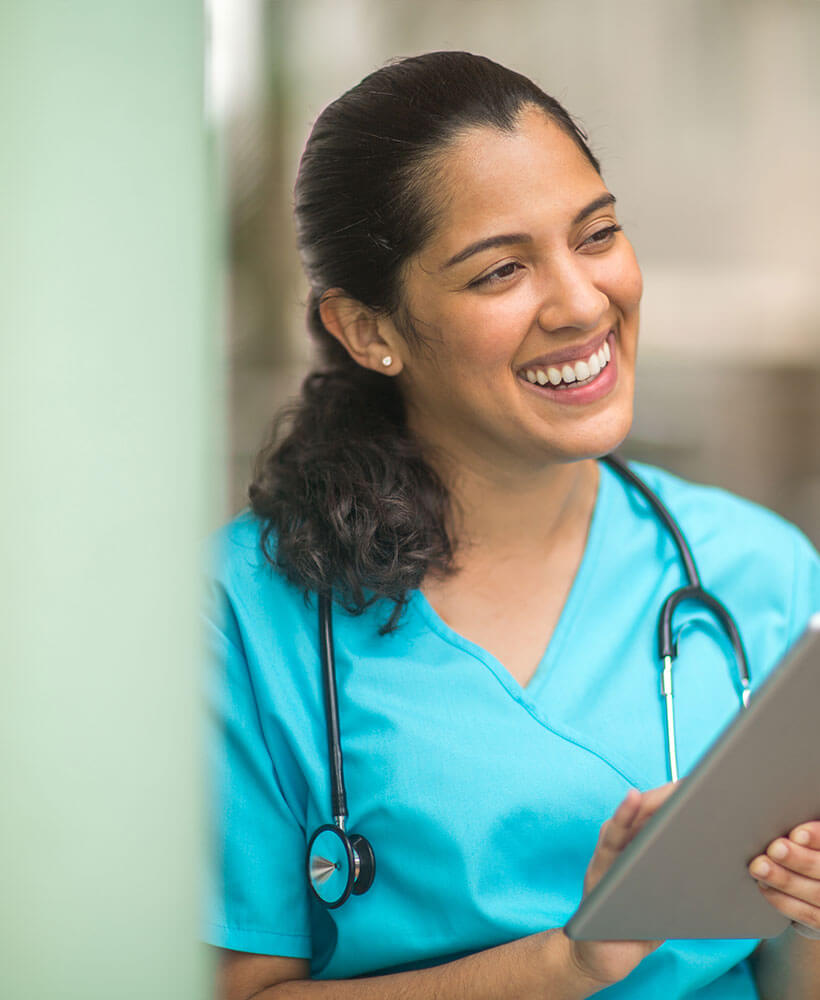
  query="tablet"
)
[{"x": 685, "y": 874}]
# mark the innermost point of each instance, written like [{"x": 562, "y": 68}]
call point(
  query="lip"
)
[
  {"x": 569, "y": 354},
  {"x": 598, "y": 388}
]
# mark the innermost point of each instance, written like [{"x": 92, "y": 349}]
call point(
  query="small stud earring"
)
[{"x": 387, "y": 361}]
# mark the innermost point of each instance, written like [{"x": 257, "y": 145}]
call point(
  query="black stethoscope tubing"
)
[
  {"x": 694, "y": 590},
  {"x": 338, "y": 795},
  {"x": 352, "y": 854}
]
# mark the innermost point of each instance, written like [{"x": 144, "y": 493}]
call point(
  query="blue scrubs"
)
[{"x": 482, "y": 799}]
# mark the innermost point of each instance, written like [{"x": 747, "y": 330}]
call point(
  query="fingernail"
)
[
  {"x": 778, "y": 850},
  {"x": 802, "y": 837},
  {"x": 760, "y": 868}
]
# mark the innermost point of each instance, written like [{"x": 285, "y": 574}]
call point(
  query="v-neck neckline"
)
[{"x": 566, "y": 621}]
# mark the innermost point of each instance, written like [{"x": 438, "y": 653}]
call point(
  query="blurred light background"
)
[
  {"x": 110, "y": 410},
  {"x": 704, "y": 114}
]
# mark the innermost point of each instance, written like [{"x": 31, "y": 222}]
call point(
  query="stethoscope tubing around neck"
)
[
  {"x": 338, "y": 795},
  {"x": 354, "y": 855},
  {"x": 694, "y": 591},
  {"x": 619, "y": 466}
]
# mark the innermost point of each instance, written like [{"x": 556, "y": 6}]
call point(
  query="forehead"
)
[{"x": 489, "y": 181}]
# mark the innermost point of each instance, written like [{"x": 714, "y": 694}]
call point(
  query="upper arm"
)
[
  {"x": 256, "y": 891},
  {"x": 241, "y": 975}
]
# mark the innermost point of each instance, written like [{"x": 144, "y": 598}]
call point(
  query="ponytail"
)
[{"x": 349, "y": 503}]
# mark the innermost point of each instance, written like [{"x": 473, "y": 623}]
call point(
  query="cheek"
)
[
  {"x": 488, "y": 335},
  {"x": 465, "y": 358}
]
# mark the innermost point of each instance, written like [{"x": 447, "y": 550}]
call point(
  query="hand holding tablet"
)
[
  {"x": 687, "y": 872},
  {"x": 610, "y": 961},
  {"x": 788, "y": 876}
]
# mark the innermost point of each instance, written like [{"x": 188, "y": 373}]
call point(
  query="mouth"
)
[
  {"x": 584, "y": 374},
  {"x": 563, "y": 373}
]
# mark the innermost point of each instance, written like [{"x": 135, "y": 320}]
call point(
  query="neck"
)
[{"x": 501, "y": 514}]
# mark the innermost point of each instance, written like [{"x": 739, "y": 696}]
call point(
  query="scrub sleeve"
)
[{"x": 259, "y": 904}]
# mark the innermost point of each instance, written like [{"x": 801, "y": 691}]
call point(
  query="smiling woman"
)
[{"x": 492, "y": 585}]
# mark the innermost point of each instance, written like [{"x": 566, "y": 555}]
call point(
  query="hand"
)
[
  {"x": 608, "y": 962},
  {"x": 788, "y": 875}
]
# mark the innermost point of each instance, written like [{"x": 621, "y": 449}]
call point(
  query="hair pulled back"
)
[{"x": 352, "y": 503}]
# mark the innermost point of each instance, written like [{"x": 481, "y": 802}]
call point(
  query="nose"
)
[{"x": 571, "y": 298}]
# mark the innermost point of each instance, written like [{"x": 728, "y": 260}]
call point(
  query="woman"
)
[{"x": 495, "y": 588}]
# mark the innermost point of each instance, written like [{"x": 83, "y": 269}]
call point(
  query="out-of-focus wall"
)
[
  {"x": 703, "y": 113},
  {"x": 109, "y": 405}
]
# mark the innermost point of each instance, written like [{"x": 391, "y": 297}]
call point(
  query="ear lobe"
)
[{"x": 360, "y": 330}]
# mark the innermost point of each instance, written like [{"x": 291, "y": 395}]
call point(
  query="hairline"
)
[{"x": 422, "y": 171}]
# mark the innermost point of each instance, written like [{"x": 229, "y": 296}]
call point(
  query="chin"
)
[
  {"x": 597, "y": 438},
  {"x": 615, "y": 435}
]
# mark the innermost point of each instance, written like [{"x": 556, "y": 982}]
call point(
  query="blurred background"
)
[
  {"x": 151, "y": 324},
  {"x": 704, "y": 115}
]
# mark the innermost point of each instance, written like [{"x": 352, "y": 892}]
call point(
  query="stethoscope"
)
[{"x": 340, "y": 863}]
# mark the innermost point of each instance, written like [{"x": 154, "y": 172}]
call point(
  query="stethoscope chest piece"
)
[{"x": 338, "y": 865}]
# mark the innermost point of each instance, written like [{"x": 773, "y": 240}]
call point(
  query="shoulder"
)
[
  {"x": 741, "y": 546},
  {"x": 712, "y": 516},
  {"x": 246, "y": 592},
  {"x": 235, "y": 549},
  {"x": 241, "y": 555}
]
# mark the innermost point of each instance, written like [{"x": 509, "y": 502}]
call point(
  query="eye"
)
[
  {"x": 602, "y": 236},
  {"x": 499, "y": 275}
]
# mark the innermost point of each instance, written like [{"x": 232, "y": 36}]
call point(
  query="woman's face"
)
[{"x": 527, "y": 298}]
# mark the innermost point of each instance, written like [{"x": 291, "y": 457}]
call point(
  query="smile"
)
[{"x": 575, "y": 374}]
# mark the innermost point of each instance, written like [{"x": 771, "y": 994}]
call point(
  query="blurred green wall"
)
[{"x": 108, "y": 417}]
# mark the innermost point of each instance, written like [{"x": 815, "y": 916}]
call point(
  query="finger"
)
[
  {"x": 629, "y": 808},
  {"x": 656, "y": 797},
  {"x": 651, "y": 801},
  {"x": 807, "y": 835},
  {"x": 615, "y": 832},
  {"x": 801, "y": 860},
  {"x": 795, "y": 909},
  {"x": 772, "y": 874}
]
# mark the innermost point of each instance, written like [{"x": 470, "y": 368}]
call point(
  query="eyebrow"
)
[
  {"x": 486, "y": 244},
  {"x": 505, "y": 239},
  {"x": 593, "y": 206}
]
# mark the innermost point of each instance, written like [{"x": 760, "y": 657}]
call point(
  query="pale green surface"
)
[{"x": 107, "y": 418}]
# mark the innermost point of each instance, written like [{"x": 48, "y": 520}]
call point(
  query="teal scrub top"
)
[{"x": 482, "y": 799}]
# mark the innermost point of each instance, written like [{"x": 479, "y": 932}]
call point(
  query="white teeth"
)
[{"x": 581, "y": 371}]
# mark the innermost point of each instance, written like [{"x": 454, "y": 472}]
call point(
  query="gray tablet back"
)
[{"x": 685, "y": 874}]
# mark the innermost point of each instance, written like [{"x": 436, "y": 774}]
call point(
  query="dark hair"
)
[{"x": 354, "y": 505}]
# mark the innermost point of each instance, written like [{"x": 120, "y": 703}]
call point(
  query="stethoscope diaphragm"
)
[{"x": 338, "y": 865}]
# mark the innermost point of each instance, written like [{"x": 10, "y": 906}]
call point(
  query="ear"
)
[{"x": 367, "y": 336}]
